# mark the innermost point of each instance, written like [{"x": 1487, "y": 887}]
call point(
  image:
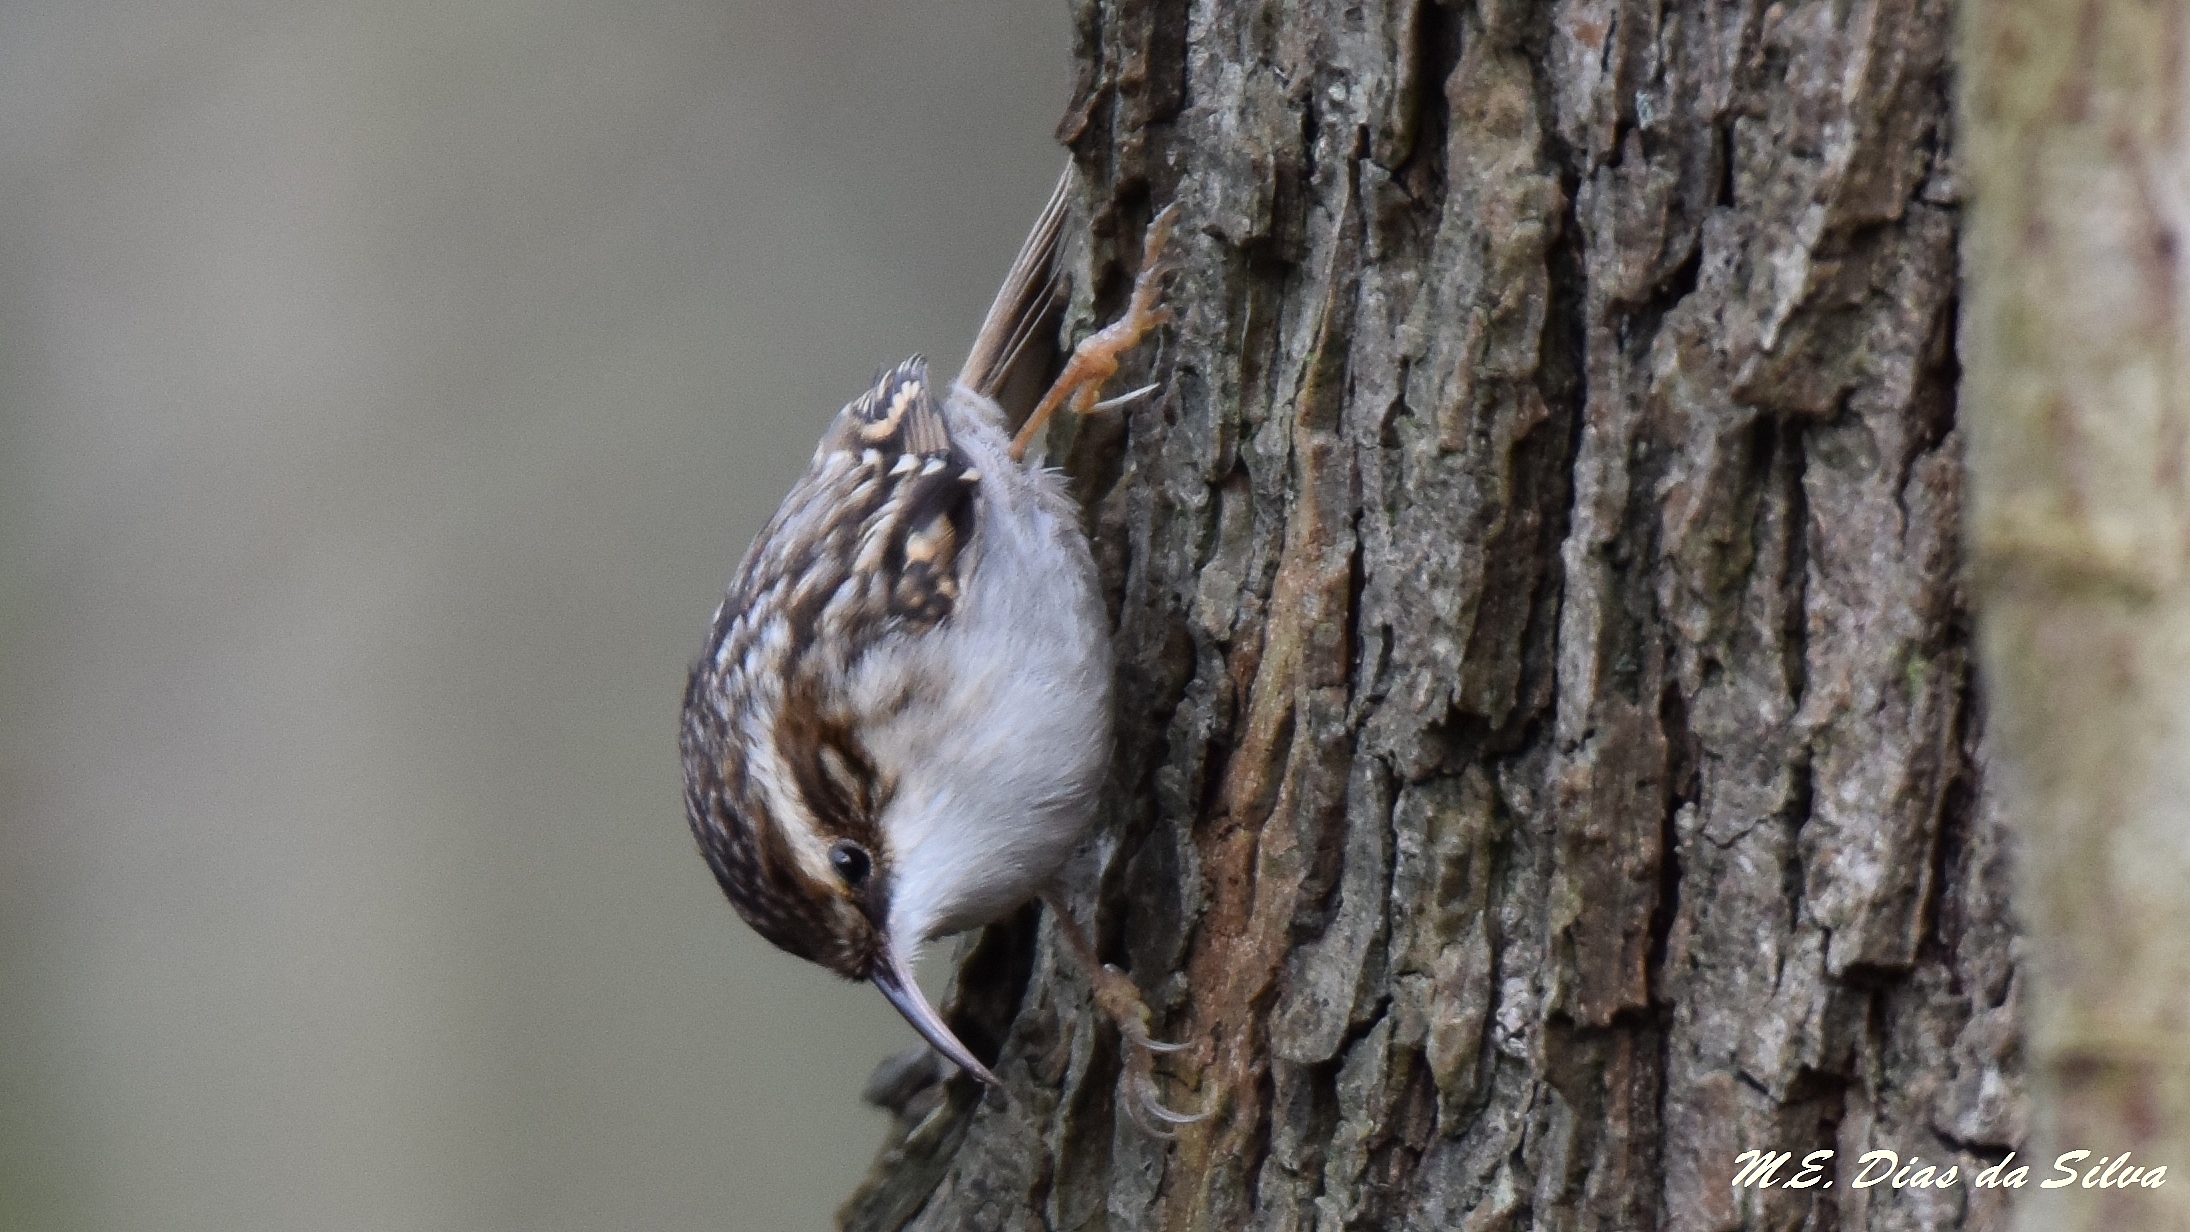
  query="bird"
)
[{"x": 899, "y": 724}]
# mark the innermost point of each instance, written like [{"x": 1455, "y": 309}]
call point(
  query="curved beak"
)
[{"x": 894, "y": 978}]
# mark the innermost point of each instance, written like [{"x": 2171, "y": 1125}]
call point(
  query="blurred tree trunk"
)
[
  {"x": 2080, "y": 537},
  {"x": 1547, "y": 761}
]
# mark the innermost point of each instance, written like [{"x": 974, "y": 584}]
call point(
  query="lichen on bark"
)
[{"x": 1547, "y": 760}]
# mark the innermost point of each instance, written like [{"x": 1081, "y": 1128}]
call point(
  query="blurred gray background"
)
[{"x": 386, "y": 392}]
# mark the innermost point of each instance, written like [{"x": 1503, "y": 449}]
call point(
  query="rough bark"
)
[
  {"x": 2080, "y": 529},
  {"x": 1548, "y": 760}
]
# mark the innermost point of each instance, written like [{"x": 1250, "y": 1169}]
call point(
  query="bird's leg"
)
[
  {"x": 1095, "y": 360},
  {"x": 1121, "y": 1002}
]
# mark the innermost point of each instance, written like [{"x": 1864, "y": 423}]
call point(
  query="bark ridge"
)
[{"x": 1548, "y": 764}]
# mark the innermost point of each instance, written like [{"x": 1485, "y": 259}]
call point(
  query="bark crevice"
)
[{"x": 1548, "y": 762}]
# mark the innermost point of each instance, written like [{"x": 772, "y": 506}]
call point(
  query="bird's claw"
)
[
  {"x": 1165, "y": 1047},
  {"x": 1126, "y": 399},
  {"x": 1152, "y": 1104},
  {"x": 1120, "y": 1001},
  {"x": 1146, "y": 1105}
]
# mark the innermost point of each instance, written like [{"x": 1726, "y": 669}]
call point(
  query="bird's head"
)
[
  {"x": 825, "y": 853},
  {"x": 801, "y": 849}
]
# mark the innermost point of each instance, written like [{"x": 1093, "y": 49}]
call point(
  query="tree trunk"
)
[
  {"x": 2080, "y": 530},
  {"x": 1547, "y": 756}
]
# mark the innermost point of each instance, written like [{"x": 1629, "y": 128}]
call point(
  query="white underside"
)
[{"x": 997, "y": 772}]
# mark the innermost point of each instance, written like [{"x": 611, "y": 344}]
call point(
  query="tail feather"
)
[{"x": 1015, "y": 354}]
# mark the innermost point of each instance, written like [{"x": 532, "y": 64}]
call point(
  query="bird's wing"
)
[
  {"x": 868, "y": 544},
  {"x": 869, "y": 540}
]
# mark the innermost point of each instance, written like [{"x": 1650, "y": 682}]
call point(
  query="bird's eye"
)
[{"x": 850, "y": 861}]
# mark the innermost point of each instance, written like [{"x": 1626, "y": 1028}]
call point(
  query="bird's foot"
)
[
  {"x": 1120, "y": 1001},
  {"x": 1095, "y": 360}
]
